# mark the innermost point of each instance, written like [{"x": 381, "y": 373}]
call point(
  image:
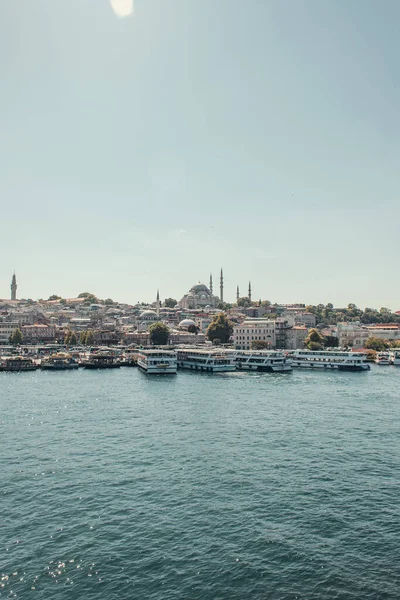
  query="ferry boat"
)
[
  {"x": 157, "y": 362},
  {"x": 101, "y": 360},
  {"x": 383, "y": 358},
  {"x": 212, "y": 360},
  {"x": 263, "y": 360},
  {"x": 395, "y": 357},
  {"x": 59, "y": 362},
  {"x": 329, "y": 360},
  {"x": 17, "y": 363}
]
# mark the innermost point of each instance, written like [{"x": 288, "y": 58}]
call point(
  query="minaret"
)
[
  {"x": 250, "y": 291},
  {"x": 221, "y": 287},
  {"x": 211, "y": 284},
  {"x": 237, "y": 294},
  {"x": 13, "y": 287},
  {"x": 158, "y": 304}
]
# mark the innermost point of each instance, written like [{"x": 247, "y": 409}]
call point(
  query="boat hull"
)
[
  {"x": 206, "y": 368},
  {"x": 265, "y": 368}
]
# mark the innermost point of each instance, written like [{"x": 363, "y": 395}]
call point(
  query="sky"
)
[{"x": 147, "y": 143}]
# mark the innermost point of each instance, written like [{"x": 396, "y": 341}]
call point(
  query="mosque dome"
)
[
  {"x": 200, "y": 288},
  {"x": 148, "y": 315},
  {"x": 186, "y": 323}
]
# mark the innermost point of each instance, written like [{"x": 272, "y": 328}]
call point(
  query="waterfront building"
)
[
  {"x": 353, "y": 335},
  {"x": 252, "y": 330},
  {"x": 7, "y": 328}
]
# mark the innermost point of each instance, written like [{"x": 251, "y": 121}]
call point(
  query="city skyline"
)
[
  {"x": 139, "y": 151},
  {"x": 160, "y": 297}
]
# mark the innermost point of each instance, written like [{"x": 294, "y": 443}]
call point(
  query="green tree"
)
[
  {"x": 220, "y": 328},
  {"x": 314, "y": 337},
  {"x": 374, "y": 343},
  {"x": 193, "y": 329},
  {"x": 159, "y": 334},
  {"x": 73, "y": 339},
  {"x": 331, "y": 341},
  {"x": 67, "y": 337},
  {"x": 108, "y": 302},
  {"x": 16, "y": 338},
  {"x": 54, "y": 297},
  {"x": 170, "y": 302},
  {"x": 244, "y": 302},
  {"x": 89, "y": 341},
  {"x": 216, "y": 342},
  {"x": 314, "y": 346},
  {"x": 82, "y": 338}
]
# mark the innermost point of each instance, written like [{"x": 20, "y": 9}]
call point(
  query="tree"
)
[
  {"x": 89, "y": 341},
  {"x": 216, "y": 342},
  {"x": 82, "y": 338},
  {"x": 314, "y": 337},
  {"x": 193, "y": 329},
  {"x": 70, "y": 338},
  {"x": 331, "y": 341},
  {"x": 63, "y": 301},
  {"x": 170, "y": 303},
  {"x": 314, "y": 346},
  {"x": 244, "y": 302},
  {"x": 54, "y": 297},
  {"x": 374, "y": 343},
  {"x": 220, "y": 328},
  {"x": 159, "y": 334},
  {"x": 108, "y": 302},
  {"x": 16, "y": 337},
  {"x": 260, "y": 345}
]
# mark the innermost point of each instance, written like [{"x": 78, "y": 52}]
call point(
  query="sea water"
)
[{"x": 118, "y": 485}]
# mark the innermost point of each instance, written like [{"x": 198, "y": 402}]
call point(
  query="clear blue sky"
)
[{"x": 144, "y": 152}]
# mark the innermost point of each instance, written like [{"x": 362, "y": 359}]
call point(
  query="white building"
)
[
  {"x": 6, "y": 329},
  {"x": 251, "y": 330},
  {"x": 352, "y": 334}
]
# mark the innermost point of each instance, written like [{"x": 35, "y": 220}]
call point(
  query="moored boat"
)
[
  {"x": 17, "y": 363},
  {"x": 213, "y": 360},
  {"x": 101, "y": 360},
  {"x": 272, "y": 361},
  {"x": 395, "y": 356},
  {"x": 62, "y": 361},
  {"x": 157, "y": 362},
  {"x": 383, "y": 358},
  {"x": 327, "y": 360}
]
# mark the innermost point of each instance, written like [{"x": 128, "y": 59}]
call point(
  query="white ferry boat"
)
[
  {"x": 211, "y": 360},
  {"x": 395, "y": 357},
  {"x": 157, "y": 361},
  {"x": 62, "y": 361},
  {"x": 327, "y": 359},
  {"x": 383, "y": 358},
  {"x": 263, "y": 360}
]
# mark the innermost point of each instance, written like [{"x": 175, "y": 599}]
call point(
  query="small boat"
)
[
  {"x": 17, "y": 363},
  {"x": 383, "y": 358},
  {"x": 59, "y": 362},
  {"x": 395, "y": 357},
  {"x": 101, "y": 360}
]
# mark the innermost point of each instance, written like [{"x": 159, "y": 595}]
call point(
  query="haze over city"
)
[{"x": 146, "y": 144}]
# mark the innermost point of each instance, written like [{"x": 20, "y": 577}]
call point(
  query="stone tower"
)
[
  {"x": 211, "y": 284},
  {"x": 250, "y": 291},
  {"x": 13, "y": 288},
  {"x": 221, "y": 287},
  {"x": 158, "y": 304},
  {"x": 237, "y": 294}
]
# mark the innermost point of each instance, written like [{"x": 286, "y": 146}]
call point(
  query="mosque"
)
[{"x": 201, "y": 296}]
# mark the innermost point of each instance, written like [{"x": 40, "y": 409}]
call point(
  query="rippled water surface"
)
[{"x": 118, "y": 485}]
